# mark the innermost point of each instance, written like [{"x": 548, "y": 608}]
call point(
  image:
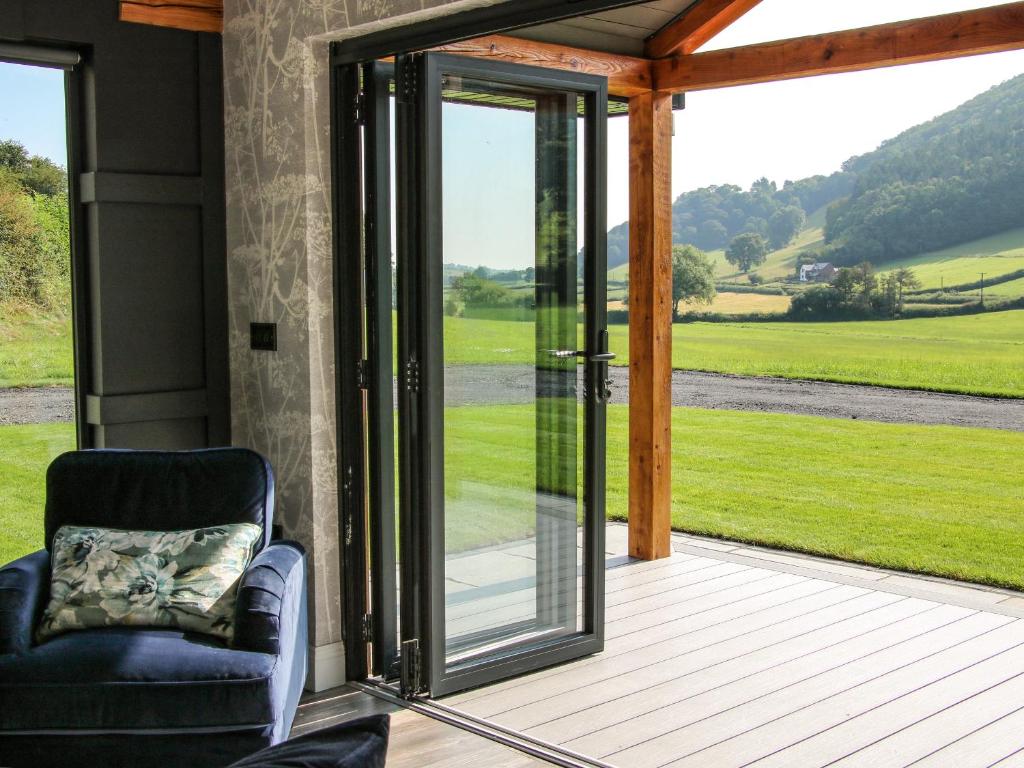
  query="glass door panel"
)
[{"x": 503, "y": 409}]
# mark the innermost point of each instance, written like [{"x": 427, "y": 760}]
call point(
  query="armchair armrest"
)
[
  {"x": 24, "y": 586},
  {"x": 270, "y": 609}
]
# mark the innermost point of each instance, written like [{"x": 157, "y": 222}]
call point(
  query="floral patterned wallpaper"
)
[{"x": 279, "y": 254}]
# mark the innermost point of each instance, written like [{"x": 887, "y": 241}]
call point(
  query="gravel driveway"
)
[
  {"x": 484, "y": 384},
  {"x": 510, "y": 384}
]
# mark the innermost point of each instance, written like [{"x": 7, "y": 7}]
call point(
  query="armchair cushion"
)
[
  {"x": 109, "y": 577},
  {"x": 159, "y": 490},
  {"x": 361, "y": 743},
  {"x": 126, "y": 679}
]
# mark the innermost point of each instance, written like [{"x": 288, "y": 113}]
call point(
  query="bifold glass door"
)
[{"x": 500, "y": 366}]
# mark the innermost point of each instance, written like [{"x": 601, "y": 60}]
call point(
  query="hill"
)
[{"x": 954, "y": 179}]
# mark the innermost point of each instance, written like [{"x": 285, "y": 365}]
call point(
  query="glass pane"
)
[{"x": 511, "y": 424}]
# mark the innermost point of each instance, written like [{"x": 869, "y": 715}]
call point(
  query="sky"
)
[
  {"x": 32, "y": 109},
  {"x": 807, "y": 126},
  {"x": 785, "y": 130}
]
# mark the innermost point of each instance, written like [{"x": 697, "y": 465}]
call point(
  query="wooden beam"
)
[
  {"x": 650, "y": 325},
  {"x": 191, "y": 15},
  {"x": 698, "y": 24},
  {"x": 627, "y": 75},
  {"x": 967, "y": 33}
]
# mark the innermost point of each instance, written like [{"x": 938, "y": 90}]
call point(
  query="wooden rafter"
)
[
  {"x": 192, "y": 15},
  {"x": 627, "y": 75},
  {"x": 698, "y": 24},
  {"x": 967, "y": 33}
]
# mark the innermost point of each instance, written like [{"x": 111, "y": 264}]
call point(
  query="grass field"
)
[
  {"x": 731, "y": 303},
  {"x": 728, "y": 303},
  {"x": 940, "y": 500},
  {"x": 35, "y": 351},
  {"x": 25, "y": 452},
  {"x": 996, "y": 255},
  {"x": 1009, "y": 290}
]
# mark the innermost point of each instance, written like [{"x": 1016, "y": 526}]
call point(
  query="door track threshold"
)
[{"x": 542, "y": 750}]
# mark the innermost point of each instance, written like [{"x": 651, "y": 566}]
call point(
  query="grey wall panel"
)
[
  {"x": 166, "y": 435},
  {"x": 150, "y": 297},
  {"x": 148, "y": 188}
]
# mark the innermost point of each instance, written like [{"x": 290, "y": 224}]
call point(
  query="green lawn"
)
[
  {"x": 942, "y": 500},
  {"x": 35, "y": 350},
  {"x": 25, "y": 452}
]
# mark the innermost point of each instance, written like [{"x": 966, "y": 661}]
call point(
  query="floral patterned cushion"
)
[{"x": 104, "y": 577}]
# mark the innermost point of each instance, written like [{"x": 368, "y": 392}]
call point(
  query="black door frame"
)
[
  {"x": 69, "y": 60},
  {"x": 359, "y": 628}
]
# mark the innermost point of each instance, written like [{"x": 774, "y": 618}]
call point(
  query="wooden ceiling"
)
[{"x": 652, "y": 46}]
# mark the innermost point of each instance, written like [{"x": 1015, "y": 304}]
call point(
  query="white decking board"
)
[{"x": 729, "y": 655}]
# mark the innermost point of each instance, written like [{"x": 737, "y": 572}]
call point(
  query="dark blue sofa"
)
[{"x": 126, "y": 696}]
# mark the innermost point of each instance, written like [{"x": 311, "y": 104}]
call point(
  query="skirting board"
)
[{"x": 326, "y": 667}]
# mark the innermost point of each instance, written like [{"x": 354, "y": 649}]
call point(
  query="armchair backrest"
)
[{"x": 159, "y": 490}]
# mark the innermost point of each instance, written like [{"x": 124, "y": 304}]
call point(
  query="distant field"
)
[
  {"x": 996, "y": 255},
  {"x": 1010, "y": 290},
  {"x": 729, "y": 303},
  {"x": 25, "y": 453},
  {"x": 34, "y": 351},
  {"x": 976, "y": 354}
]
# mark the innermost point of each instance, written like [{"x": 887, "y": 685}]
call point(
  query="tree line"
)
[
  {"x": 856, "y": 293},
  {"x": 35, "y": 244},
  {"x": 950, "y": 180}
]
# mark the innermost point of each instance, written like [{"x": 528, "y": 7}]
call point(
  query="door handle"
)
[{"x": 601, "y": 357}]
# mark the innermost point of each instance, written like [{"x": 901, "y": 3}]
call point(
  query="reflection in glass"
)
[{"x": 513, "y": 427}]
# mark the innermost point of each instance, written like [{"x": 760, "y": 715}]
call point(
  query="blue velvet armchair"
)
[{"x": 139, "y": 696}]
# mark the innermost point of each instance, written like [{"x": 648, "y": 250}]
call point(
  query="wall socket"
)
[{"x": 263, "y": 336}]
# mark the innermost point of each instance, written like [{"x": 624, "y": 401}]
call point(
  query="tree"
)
[
  {"x": 864, "y": 282},
  {"x": 905, "y": 280},
  {"x": 784, "y": 224},
  {"x": 693, "y": 277},
  {"x": 14, "y": 156},
  {"x": 746, "y": 251},
  {"x": 845, "y": 284},
  {"x": 476, "y": 291},
  {"x": 19, "y": 236},
  {"x": 45, "y": 177}
]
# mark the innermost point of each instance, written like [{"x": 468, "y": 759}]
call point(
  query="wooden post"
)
[{"x": 650, "y": 325}]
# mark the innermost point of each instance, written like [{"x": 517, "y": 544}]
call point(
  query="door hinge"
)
[
  {"x": 406, "y": 82},
  {"x": 362, "y": 378},
  {"x": 412, "y": 376},
  {"x": 367, "y": 627},
  {"x": 410, "y": 682},
  {"x": 360, "y": 108}
]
